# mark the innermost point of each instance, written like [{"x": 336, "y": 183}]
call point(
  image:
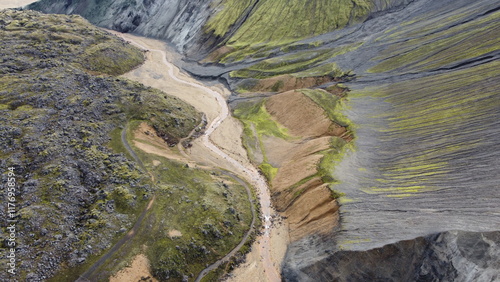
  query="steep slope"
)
[
  {"x": 423, "y": 107},
  {"x": 75, "y": 194},
  {"x": 196, "y": 27},
  {"x": 81, "y": 207},
  {"x": 447, "y": 256}
]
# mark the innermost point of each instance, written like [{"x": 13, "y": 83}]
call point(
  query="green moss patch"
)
[
  {"x": 276, "y": 23},
  {"x": 268, "y": 170},
  {"x": 113, "y": 57}
]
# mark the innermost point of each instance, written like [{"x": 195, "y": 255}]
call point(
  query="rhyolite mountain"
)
[{"x": 414, "y": 152}]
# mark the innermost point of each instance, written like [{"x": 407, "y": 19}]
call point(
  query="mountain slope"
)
[
  {"x": 422, "y": 107},
  {"x": 62, "y": 110},
  {"x": 198, "y": 26}
]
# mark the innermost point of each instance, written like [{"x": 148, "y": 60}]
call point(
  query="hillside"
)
[
  {"x": 59, "y": 107},
  {"x": 388, "y": 109},
  {"x": 194, "y": 26},
  {"x": 66, "y": 118}
]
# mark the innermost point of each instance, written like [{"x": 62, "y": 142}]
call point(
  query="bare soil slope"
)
[{"x": 297, "y": 189}]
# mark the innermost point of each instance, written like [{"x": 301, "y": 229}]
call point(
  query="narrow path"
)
[
  {"x": 227, "y": 257},
  {"x": 250, "y": 173},
  {"x": 89, "y": 275},
  {"x": 133, "y": 154}
]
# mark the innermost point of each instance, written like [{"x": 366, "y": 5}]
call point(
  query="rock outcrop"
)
[
  {"x": 424, "y": 79},
  {"x": 448, "y": 256}
]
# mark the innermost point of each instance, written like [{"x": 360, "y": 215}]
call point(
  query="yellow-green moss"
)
[{"x": 279, "y": 23}]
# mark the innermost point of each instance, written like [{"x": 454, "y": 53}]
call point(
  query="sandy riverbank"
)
[
  {"x": 252, "y": 269},
  {"x": 269, "y": 250}
]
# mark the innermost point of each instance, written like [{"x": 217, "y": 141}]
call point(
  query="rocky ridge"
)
[{"x": 196, "y": 27}]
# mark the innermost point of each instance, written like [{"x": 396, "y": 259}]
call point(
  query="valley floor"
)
[{"x": 223, "y": 150}]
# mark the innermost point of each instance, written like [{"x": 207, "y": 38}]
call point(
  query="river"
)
[{"x": 248, "y": 172}]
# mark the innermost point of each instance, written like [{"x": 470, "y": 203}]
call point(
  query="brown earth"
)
[
  {"x": 174, "y": 233},
  {"x": 300, "y": 164},
  {"x": 314, "y": 212},
  {"x": 279, "y": 150},
  {"x": 297, "y": 190},
  {"x": 146, "y": 139},
  {"x": 286, "y": 82},
  {"x": 337, "y": 90}
]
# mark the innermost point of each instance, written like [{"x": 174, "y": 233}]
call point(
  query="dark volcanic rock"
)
[{"x": 448, "y": 256}]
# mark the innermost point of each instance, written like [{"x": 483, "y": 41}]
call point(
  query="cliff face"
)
[
  {"x": 197, "y": 26},
  {"x": 179, "y": 22},
  {"x": 447, "y": 256}
]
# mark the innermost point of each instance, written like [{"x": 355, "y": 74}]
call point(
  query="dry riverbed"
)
[
  {"x": 6, "y": 4},
  {"x": 220, "y": 147}
]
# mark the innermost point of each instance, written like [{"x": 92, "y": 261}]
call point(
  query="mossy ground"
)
[
  {"x": 58, "y": 115},
  {"x": 279, "y": 23},
  {"x": 209, "y": 209}
]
